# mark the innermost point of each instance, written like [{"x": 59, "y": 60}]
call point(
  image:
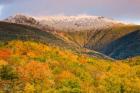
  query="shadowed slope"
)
[
  {"x": 10, "y": 31},
  {"x": 124, "y": 47}
]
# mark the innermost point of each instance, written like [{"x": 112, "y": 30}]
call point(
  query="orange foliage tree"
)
[
  {"x": 5, "y": 53},
  {"x": 36, "y": 74}
]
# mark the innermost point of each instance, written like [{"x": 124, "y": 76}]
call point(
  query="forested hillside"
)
[{"x": 30, "y": 67}]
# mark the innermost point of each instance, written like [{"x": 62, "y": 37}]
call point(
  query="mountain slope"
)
[
  {"x": 90, "y": 32},
  {"x": 12, "y": 31},
  {"x": 131, "y": 42},
  {"x": 107, "y": 41}
]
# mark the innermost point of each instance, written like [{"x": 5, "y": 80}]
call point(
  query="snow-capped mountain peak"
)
[
  {"x": 82, "y": 22},
  {"x": 22, "y": 19}
]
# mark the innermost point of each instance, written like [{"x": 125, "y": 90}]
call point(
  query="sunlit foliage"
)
[{"x": 29, "y": 67}]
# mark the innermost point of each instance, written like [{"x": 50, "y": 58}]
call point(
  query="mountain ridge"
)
[
  {"x": 66, "y": 22},
  {"x": 97, "y": 38}
]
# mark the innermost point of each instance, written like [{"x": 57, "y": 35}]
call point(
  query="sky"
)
[{"x": 125, "y": 10}]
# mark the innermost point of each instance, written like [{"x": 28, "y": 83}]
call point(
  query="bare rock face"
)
[{"x": 22, "y": 19}]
